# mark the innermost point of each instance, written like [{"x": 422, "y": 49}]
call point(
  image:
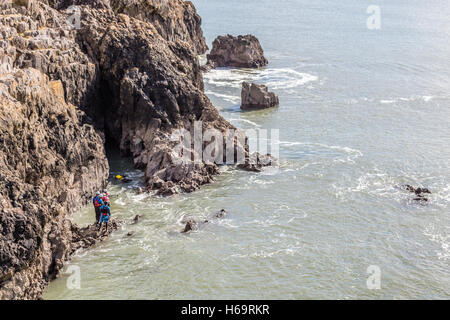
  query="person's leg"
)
[
  {"x": 106, "y": 225},
  {"x": 97, "y": 215}
]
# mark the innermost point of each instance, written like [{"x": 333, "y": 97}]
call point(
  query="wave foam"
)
[{"x": 276, "y": 79}]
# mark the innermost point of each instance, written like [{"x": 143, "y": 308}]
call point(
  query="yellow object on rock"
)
[{"x": 119, "y": 177}]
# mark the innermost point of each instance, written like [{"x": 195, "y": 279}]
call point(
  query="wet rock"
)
[
  {"x": 83, "y": 238},
  {"x": 240, "y": 52},
  {"x": 193, "y": 224},
  {"x": 130, "y": 234},
  {"x": 137, "y": 218},
  {"x": 419, "y": 192},
  {"x": 221, "y": 214},
  {"x": 190, "y": 225},
  {"x": 257, "y": 96},
  {"x": 255, "y": 162},
  {"x": 140, "y": 190}
]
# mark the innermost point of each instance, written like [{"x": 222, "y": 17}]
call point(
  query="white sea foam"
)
[
  {"x": 404, "y": 99},
  {"x": 226, "y": 97},
  {"x": 352, "y": 154},
  {"x": 276, "y": 79},
  {"x": 246, "y": 121}
]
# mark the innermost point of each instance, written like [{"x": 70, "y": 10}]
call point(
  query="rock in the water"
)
[
  {"x": 130, "y": 234},
  {"x": 137, "y": 218},
  {"x": 257, "y": 96},
  {"x": 190, "y": 225},
  {"x": 83, "y": 238},
  {"x": 221, "y": 214},
  {"x": 419, "y": 192},
  {"x": 239, "y": 52},
  {"x": 139, "y": 190},
  {"x": 255, "y": 162}
]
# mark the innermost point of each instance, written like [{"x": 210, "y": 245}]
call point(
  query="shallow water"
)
[{"x": 361, "y": 112}]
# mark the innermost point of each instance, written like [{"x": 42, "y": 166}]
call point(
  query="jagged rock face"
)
[
  {"x": 257, "y": 96},
  {"x": 175, "y": 20},
  {"x": 154, "y": 87},
  {"x": 50, "y": 164},
  {"x": 238, "y": 52}
]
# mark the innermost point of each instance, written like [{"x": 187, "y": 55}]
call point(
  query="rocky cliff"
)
[{"x": 73, "y": 74}]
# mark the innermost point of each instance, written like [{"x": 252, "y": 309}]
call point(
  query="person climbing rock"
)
[
  {"x": 98, "y": 202},
  {"x": 105, "y": 214}
]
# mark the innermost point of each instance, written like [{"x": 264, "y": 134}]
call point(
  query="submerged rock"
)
[
  {"x": 257, "y": 96},
  {"x": 240, "y": 52}
]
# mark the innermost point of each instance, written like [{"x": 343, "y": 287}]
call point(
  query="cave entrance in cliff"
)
[{"x": 105, "y": 115}]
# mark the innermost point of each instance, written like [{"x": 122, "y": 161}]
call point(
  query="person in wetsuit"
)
[
  {"x": 105, "y": 214},
  {"x": 97, "y": 202}
]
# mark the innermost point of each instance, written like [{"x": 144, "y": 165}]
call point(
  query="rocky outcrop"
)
[
  {"x": 86, "y": 237},
  {"x": 152, "y": 87},
  {"x": 238, "y": 52},
  {"x": 257, "y": 96}
]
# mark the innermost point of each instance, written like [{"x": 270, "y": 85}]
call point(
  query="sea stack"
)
[
  {"x": 257, "y": 96},
  {"x": 238, "y": 52}
]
